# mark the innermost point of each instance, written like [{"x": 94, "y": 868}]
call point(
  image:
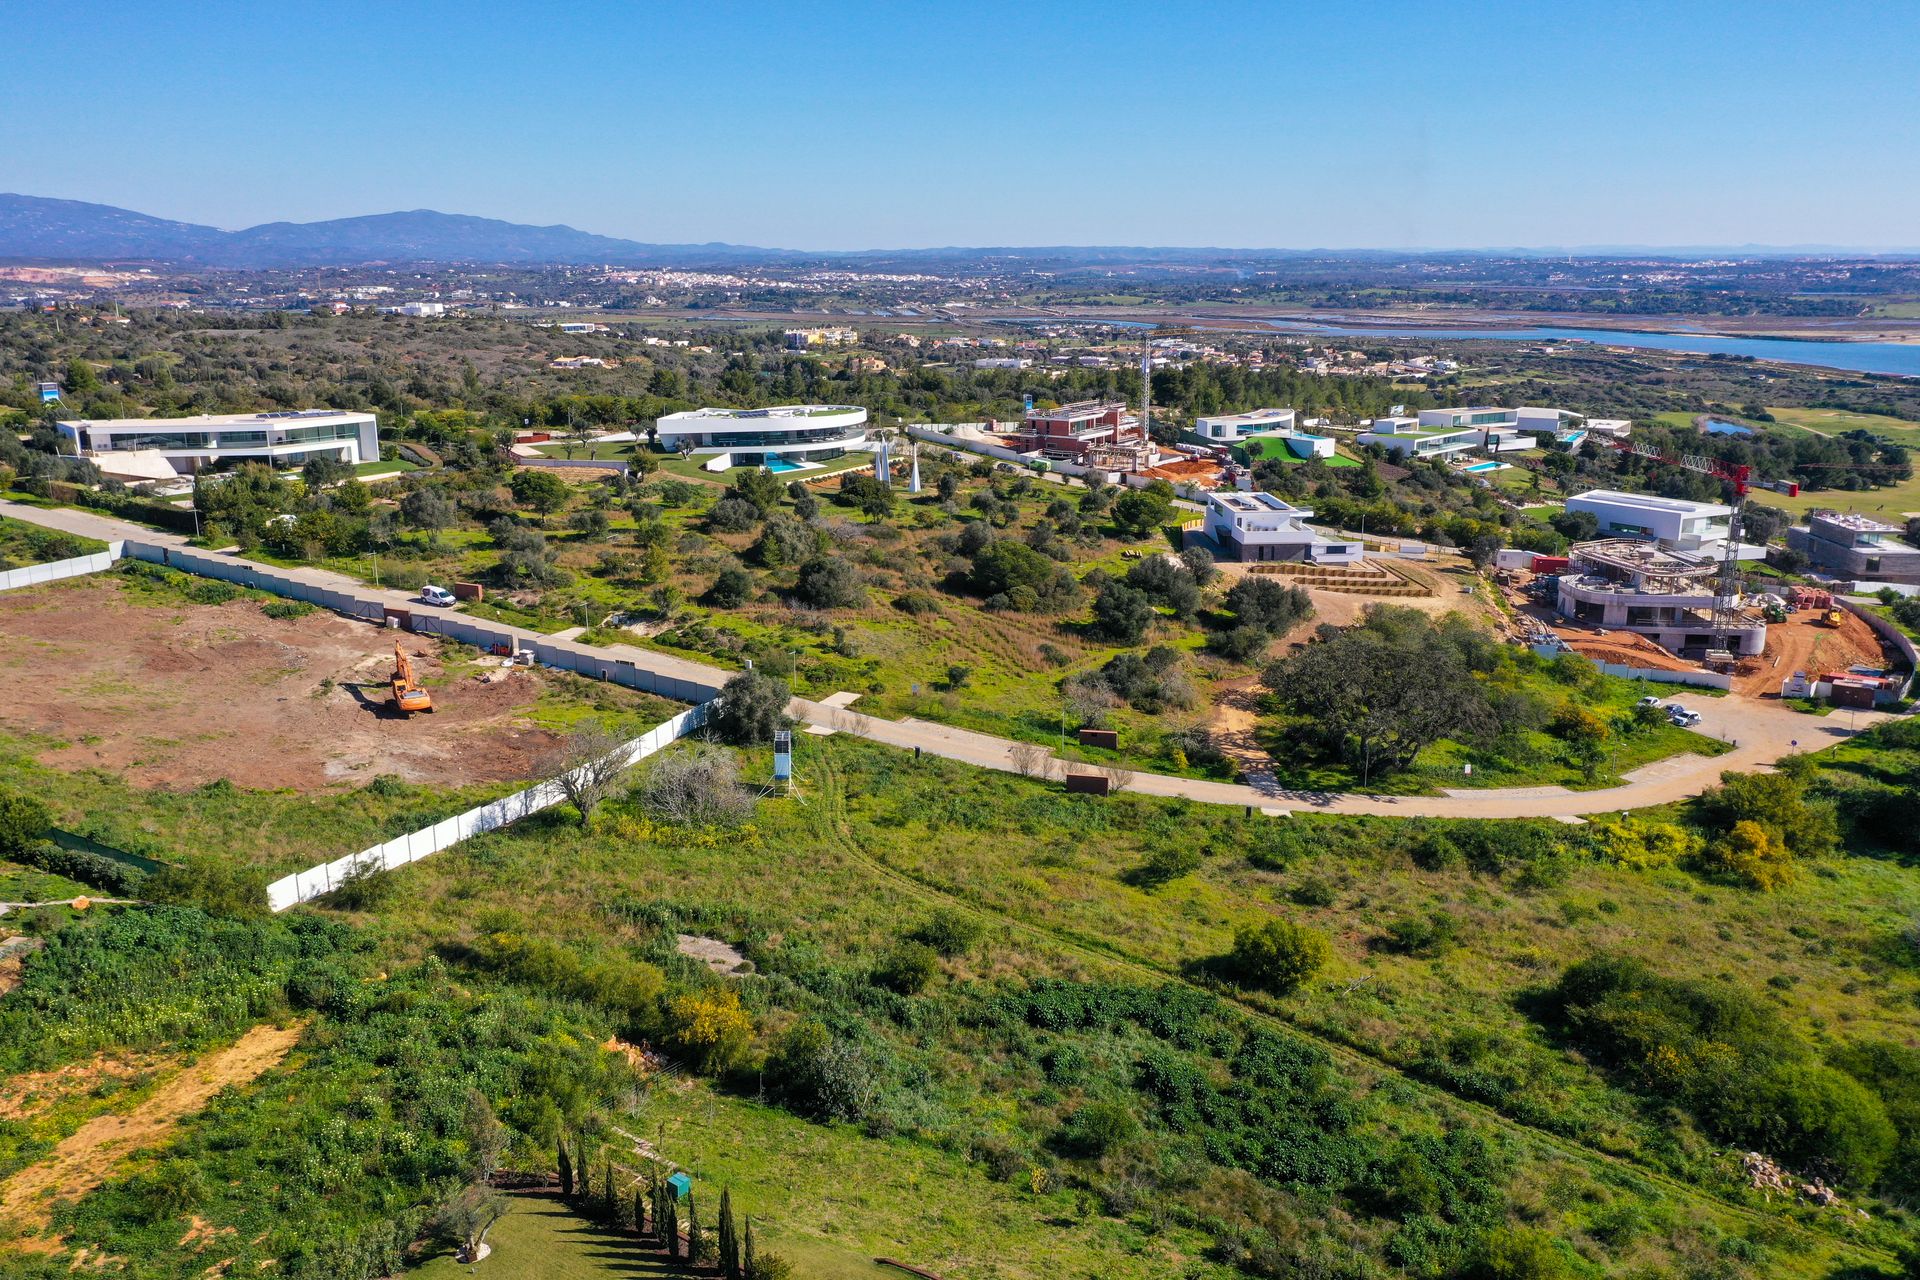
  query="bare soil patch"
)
[
  {"x": 32, "y": 1092},
  {"x": 88, "y": 1157},
  {"x": 712, "y": 952},
  {"x": 1801, "y": 644},
  {"x": 172, "y": 694}
]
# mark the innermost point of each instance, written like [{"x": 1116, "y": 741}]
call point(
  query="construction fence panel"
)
[
  {"x": 1699, "y": 679},
  {"x": 304, "y": 886},
  {"x": 34, "y": 575}
]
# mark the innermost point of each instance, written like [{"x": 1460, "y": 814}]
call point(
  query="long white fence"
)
[
  {"x": 34, "y": 574},
  {"x": 303, "y": 886}
]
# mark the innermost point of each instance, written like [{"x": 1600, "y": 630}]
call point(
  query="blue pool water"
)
[
  {"x": 1485, "y": 466},
  {"x": 1715, "y": 427},
  {"x": 777, "y": 465}
]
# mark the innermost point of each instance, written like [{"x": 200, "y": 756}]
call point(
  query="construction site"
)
[
  {"x": 1634, "y": 604},
  {"x": 174, "y": 694}
]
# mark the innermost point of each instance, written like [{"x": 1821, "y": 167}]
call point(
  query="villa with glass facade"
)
[
  {"x": 153, "y": 448},
  {"x": 790, "y": 437}
]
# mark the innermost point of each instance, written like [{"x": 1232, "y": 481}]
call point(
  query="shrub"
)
[
  {"x": 730, "y": 590},
  {"x": 23, "y": 823},
  {"x": 732, "y": 515},
  {"x": 1313, "y": 892},
  {"x": 286, "y": 609},
  {"x": 1519, "y": 1253},
  {"x": 828, "y": 582},
  {"x": 697, "y": 783},
  {"x": 1165, "y": 864},
  {"x": 215, "y": 887},
  {"x": 907, "y": 967},
  {"x": 1121, "y": 614},
  {"x": 1265, "y": 604},
  {"x": 917, "y": 603},
  {"x": 1750, "y": 854},
  {"x": 92, "y": 869},
  {"x": 949, "y": 932},
  {"x": 820, "y": 1075},
  {"x": 1096, "y": 1129},
  {"x": 1277, "y": 955},
  {"x": 1433, "y": 934},
  {"x": 709, "y": 1028}
]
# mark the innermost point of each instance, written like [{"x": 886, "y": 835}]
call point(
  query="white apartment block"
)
[{"x": 792, "y": 437}]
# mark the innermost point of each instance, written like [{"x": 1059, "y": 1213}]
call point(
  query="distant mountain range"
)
[{"x": 35, "y": 228}]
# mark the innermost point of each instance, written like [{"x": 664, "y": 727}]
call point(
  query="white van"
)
[{"x": 440, "y": 596}]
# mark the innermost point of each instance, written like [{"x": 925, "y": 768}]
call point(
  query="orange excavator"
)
[{"x": 408, "y": 695}]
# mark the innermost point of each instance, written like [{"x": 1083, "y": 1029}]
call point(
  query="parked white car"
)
[
  {"x": 1650, "y": 701},
  {"x": 1682, "y": 717},
  {"x": 433, "y": 595}
]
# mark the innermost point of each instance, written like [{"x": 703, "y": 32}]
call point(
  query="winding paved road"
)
[{"x": 1762, "y": 731}]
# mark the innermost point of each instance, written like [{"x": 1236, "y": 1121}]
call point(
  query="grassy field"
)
[
  {"x": 830, "y": 1200},
  {"x": 1835, "y": 421},
  {"x": 540, "y": 1238}
]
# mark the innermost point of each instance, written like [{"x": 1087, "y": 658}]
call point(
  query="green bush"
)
[
  {"x": 949, "y": 932},
  {"x": 1096, "y": 1129},
  {"x": 23, "y": 823},
  {"x": 907, "y": 968},
  {"x": 1277, "y": 955}
]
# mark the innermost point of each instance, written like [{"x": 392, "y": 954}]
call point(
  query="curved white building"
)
[{"x": 789, "y": 437}]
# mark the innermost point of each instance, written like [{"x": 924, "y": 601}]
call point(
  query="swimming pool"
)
[
  {"x": 777, "y": 465},
  {"x": 1486, "y": 466}
]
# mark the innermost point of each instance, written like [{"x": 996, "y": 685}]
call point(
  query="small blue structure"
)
[
  {"x": 783, "y": 755},
  {"x": 681, "y": 1186}
]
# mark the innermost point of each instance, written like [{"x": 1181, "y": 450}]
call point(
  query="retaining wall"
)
[
  {"x": 304, "y": 886},
  {"x": 79, "y": 566},
  {"x": 1887, "y": 631}
]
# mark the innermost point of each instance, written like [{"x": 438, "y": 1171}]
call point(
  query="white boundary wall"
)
[
  {"x": 303, "y": 886},
  {"x": 79, "y": 566},
  {"x": 471, "y": 631}
]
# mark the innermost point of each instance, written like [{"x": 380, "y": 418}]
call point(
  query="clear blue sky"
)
[{"x": 824, "y": 125}]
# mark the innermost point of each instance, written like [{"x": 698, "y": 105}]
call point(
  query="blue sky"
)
[{"x": 824, "y": 125}]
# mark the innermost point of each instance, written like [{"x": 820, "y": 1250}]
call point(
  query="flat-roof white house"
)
[
  {"x": 788, "y": 437},
  {"x": 1259, "y": 526},
  {"x": 1405, "y": 438},
  {"x": 1230, "y": 428},
  {"x": 1675, "y": 523},
  {"x": 142, "y": 447},
  {"x": 1482, "y": 416},
  {"x": 1561, "y": 423}
]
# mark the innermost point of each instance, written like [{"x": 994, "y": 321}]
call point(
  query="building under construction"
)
[{"x": 1670, "y": 597}]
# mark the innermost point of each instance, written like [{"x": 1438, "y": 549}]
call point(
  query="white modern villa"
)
[
  {"x": 791, "y": 437},
  {"x": 1258, "y": 526},
  {"x": 1675, "y": 523},
  {"x": 162, "y": 448}
]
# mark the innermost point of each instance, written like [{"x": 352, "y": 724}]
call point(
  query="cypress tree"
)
[
  {"x": 609, "y": 1203},
  {"x": 747, "y": 1261},
  {"x": 672, "y": 1224},
  {"x": 693, "y": 1229},
  {"x": 639, "y": 1212},
  {"x": 729, "y": 1242},
  {"x": 566, "y": 1171}
]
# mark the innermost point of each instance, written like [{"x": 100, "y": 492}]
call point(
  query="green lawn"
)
[
  {"x": 618, "y": 451},
  {"x": 540, "y": 1238},
  {"x": 390, "y": 467},
  {"x": 1834, "y": 421}
]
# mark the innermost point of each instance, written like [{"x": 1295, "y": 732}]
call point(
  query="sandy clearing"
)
[
  {"x": 89, "y": 1156},
  {"x": 186, "y": 693}
]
